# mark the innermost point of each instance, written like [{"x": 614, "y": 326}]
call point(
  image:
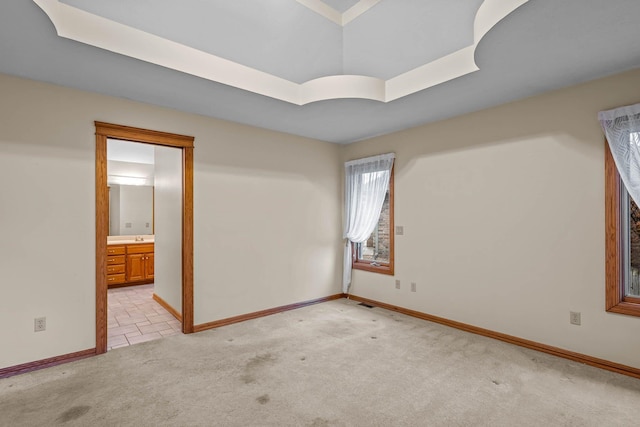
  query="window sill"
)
[
  {"x": 624, "y": 307},
  {"x": 366, "y": 266}
]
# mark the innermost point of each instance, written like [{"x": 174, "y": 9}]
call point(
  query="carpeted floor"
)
[{"x": 331, "y": 364}]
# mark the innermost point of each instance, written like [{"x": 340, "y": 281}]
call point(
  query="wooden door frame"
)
[{"x": 185, "y": 143}]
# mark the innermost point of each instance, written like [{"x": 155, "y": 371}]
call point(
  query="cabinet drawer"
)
[
  {"x": 139, "y": 249},
  {"x": 118, "y": 259},
  {"x": 113, "y": 279},
  {"x": 115, "y": 250},
  {"x": 115, "y": 269}
]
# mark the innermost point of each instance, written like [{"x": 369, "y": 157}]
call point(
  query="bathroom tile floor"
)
[{"x": 133, "y": 317}]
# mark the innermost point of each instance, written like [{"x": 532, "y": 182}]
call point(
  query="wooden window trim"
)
[
  {"x": 383, "y": 268},
  {"x": 615, "y": 300}
]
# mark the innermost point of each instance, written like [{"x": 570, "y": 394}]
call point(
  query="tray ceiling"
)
[
  {"x": 283, "y": 65},
  {"x": 446, "y": 32}
]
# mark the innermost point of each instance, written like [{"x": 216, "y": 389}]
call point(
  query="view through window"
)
[
  {"x": 376, "y": 253},
  {"x": 377, "y": 248},
  {"x": 631, "y": 244}
]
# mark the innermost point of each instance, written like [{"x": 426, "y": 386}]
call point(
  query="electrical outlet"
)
[
  {"x": 39, "y": 324},
  {"x": 399, "y": 230},
  {"x": 397, "y": 284},
  {"x": 574, "y": 317},
  {"x": 413, "y": 286}
]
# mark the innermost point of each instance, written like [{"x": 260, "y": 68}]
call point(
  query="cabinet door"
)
[
  {"x": 135, "y": 267},
  {"x": 149, "y": 264}
]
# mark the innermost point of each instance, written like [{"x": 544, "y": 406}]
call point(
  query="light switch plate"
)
[{"x": 399, "y": 230}]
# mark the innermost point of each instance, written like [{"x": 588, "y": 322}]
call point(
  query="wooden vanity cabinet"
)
[
  {"x": 116, "y": 264},
  {"x": 149, "y": 266},
  {"x": 130, "y": 264},
  {"x": 139, "y": 262}
]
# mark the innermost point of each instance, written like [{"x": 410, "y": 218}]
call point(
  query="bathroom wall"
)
[
  {"x": 114, "y": 210},
  {"x": 136, "y": 209},
  {"x": 168, "y": 216}
]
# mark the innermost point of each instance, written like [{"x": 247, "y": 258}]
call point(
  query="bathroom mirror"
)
[
  {"x": 130, "y": 210},
  {"x": 130, "y": 177}
]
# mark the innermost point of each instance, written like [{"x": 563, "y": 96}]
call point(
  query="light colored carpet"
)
[{"x": 331, "y": 364}]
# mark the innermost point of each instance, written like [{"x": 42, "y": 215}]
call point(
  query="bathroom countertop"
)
[{"x": 129, "y": 242}]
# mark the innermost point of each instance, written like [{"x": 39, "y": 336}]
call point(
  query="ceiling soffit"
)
[
  {"x": 339, "y": 12},
  {"x": 278, "y": 37},
  {"x": 89, "y": 28},
  {"x": 342, "y": 5}
]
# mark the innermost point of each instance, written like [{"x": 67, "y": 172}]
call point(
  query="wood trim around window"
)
[
  {"x": 185, "y": 143},
  {"x": 615, "y": 300},
  {"x": 383, "y": 268}
]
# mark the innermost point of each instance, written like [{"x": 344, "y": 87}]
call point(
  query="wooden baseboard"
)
[
  {"x": 126, "y": 284},
  {"x": 45, "y": 363},
  {"x": 566, "y": 354},
  {"x": 262, "y": 313},
  {"x": 167, "y": 307}
]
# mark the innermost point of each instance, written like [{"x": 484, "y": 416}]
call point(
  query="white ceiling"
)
[
  {"x": 130, "y": 163},
  {"x": 542, "y": 45},
  {"x": 132, "y": 152}
]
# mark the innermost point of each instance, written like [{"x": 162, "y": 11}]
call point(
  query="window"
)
[
  {"x": 376, "y": 253},
  {"x": 367, "y": 183},
  {"x": 622, "y": 217}
]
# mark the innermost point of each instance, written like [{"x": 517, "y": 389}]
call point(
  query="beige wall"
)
[
  {"x": 267, "y": 221},
  {"x": 267, "y": 215},
  {"x": 503, "y": 215},
  {"x": 167, "y": 202}
]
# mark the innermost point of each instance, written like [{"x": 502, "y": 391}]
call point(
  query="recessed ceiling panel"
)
[
  {"x": 279, "y": 37},
  {"x": 389, "y": 40}
]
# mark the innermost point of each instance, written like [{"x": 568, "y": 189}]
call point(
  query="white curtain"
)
[
  {"x": 622, "y": 128},
  {"x": 366, "y": 185}
]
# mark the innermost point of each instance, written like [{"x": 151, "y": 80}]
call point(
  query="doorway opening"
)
[
  {"x": 143, "y": 302},
  {"x": 141, "y": 270}
]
